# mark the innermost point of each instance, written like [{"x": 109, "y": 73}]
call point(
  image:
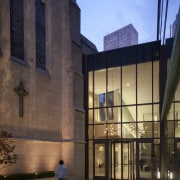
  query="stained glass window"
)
[
  {"x": 40, "y": 35},
  {"x": 17, "y": 29}
]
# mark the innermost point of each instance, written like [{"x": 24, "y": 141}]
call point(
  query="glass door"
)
[
  {"x": 123, "y": 160},
  {"x": 100, "y": 161},
  {"x": 145, "y": 160},
  {"x": 176, "y": 174}
]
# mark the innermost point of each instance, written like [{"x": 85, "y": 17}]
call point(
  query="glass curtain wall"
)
[
  {"x": 124, "y": 105},
  {"x": 173, "y": 135}
]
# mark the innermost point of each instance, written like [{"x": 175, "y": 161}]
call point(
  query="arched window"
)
[
  {"x": 40, "y": 34},
  {"x": 17, "y": 29}
]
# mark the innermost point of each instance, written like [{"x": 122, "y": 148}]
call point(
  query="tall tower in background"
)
[{"x": 123, "y": 37}]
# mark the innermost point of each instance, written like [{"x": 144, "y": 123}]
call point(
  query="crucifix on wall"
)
[{"x": 21, "y": 92}]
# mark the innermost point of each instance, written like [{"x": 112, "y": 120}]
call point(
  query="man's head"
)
[{"x": 61, "y": 162}]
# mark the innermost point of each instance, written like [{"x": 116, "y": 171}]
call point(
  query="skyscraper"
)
[{"x": 123, "y": 37}]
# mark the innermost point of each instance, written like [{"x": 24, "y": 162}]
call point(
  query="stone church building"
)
[{"x": 41, "y": 84}]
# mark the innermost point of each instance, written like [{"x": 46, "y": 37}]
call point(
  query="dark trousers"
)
[{"x": 61, "y": 179}]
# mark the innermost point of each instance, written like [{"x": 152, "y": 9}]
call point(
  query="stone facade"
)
[{"x": 52, "y": 126}]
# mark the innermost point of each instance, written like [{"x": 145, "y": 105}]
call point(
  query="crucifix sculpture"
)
[{"x": 21, "y": 92}]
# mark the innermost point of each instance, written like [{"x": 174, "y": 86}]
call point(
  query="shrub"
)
[{"x": 28, "y": 176}]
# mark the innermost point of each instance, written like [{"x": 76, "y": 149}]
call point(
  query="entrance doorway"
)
[
  {"x": 145, "y": 166},
  {"x": 115, "y": 160},
  {"x": 123, "y": 160}
]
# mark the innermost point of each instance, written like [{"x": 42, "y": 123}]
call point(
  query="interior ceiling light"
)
[{"x": 127, "y": 84}]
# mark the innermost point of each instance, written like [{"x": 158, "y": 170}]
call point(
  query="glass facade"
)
[
  {"x": 173, "y": 136},
  {"x": 123, "y": 121}
]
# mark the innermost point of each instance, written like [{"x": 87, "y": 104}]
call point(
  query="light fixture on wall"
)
[{"x": 127, "y": 84}]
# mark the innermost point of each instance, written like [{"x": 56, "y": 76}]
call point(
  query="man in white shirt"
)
[{"x": 61, "y": 171}]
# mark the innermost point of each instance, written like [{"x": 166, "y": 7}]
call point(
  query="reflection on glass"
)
[
  {"x": 100, "y": 160},
  {"x": 144, "y": 82}
]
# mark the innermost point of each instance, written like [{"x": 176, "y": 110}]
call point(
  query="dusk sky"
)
[{"x": 101, "y": 17}]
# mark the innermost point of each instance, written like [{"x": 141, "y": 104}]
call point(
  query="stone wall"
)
[{"x": 52, "y": 126}]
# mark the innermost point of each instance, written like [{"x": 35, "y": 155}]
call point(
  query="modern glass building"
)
[{"x": 132, "y": 134}]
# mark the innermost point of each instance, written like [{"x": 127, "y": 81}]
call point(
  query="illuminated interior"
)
[{"x": 124, "y": 104}]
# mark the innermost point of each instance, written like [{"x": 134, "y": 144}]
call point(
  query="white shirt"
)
[{"x": 61, "y": 172}]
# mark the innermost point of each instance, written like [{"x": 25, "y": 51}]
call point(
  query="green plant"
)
[
  {"x": 28, "y": 176},
  {"x": 7, "y": 156}
]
